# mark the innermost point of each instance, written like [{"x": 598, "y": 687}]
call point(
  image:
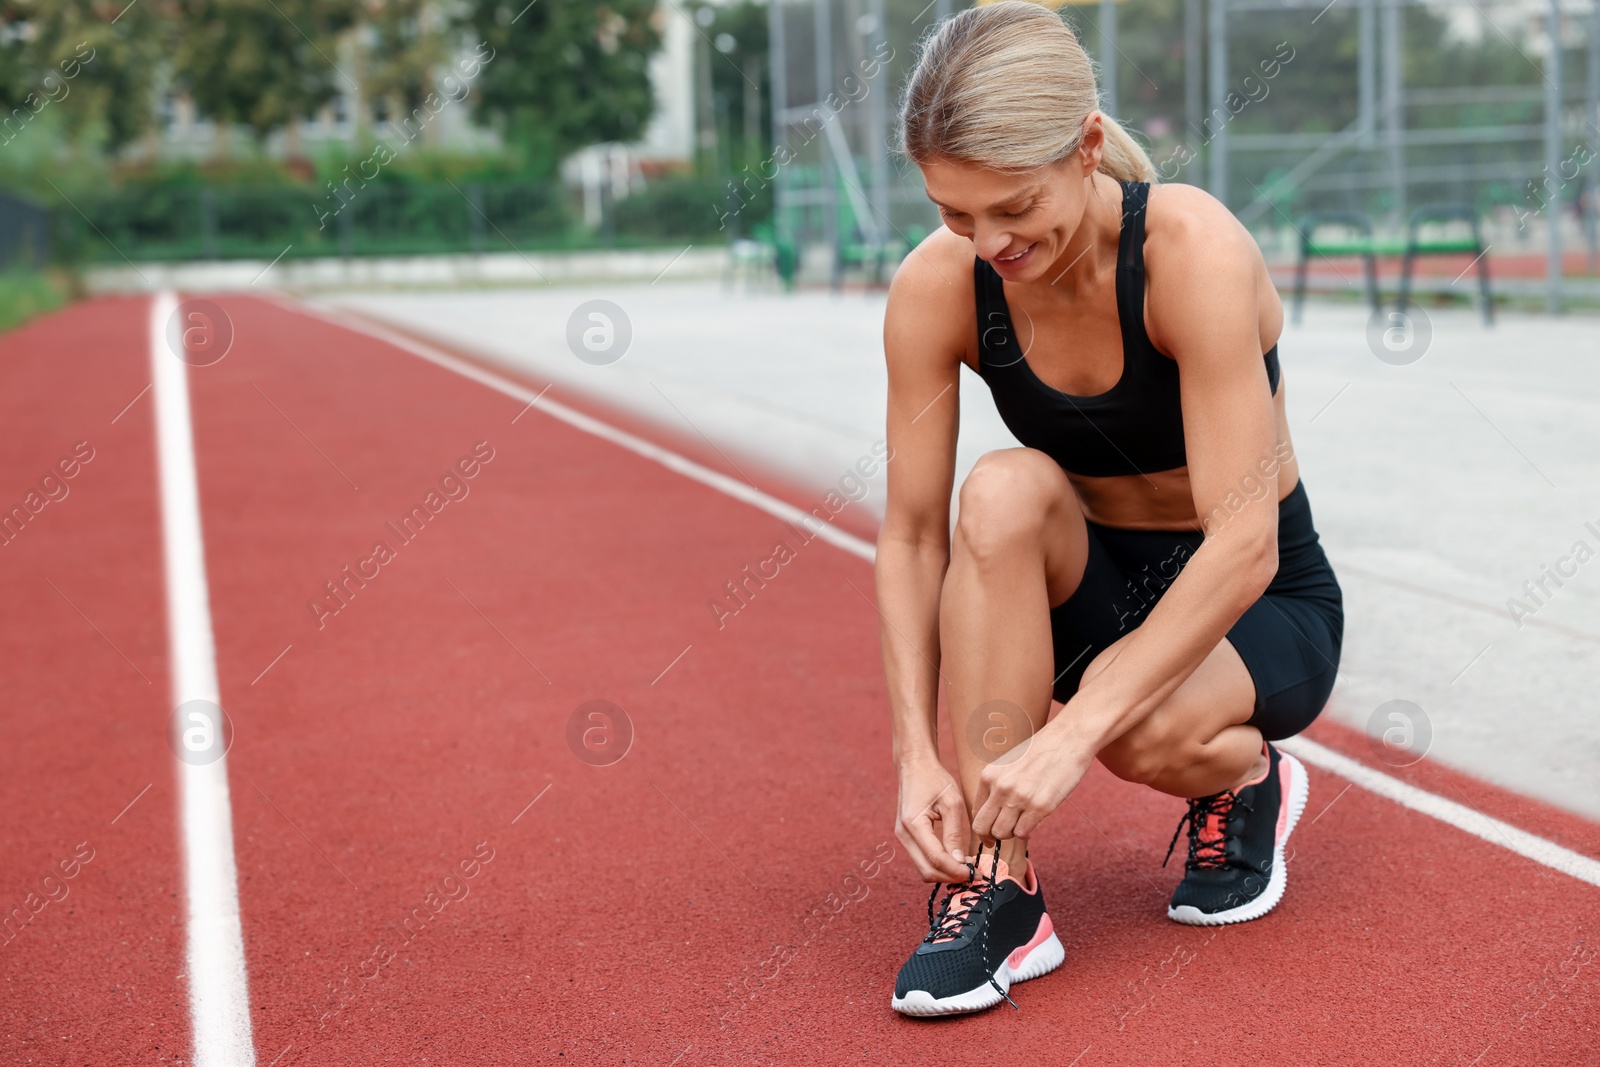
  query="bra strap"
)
[
  {"x": 1130, "y": 266},
  {"x": 994, "y": 324}
]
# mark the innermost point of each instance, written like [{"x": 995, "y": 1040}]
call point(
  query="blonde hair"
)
[{"x": 1008, "y": 86}]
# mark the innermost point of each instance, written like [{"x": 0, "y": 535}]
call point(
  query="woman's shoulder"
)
[
  {"x": 932, "y": 308},
  {"x": 1199, "y": 261},
  {"x": 934, "y": 283},
  {"x": 935, "y": 261},
  {"x": 1188, "y": 228}
]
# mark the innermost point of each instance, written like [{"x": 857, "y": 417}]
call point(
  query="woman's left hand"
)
[{"x": 1016, "y": 792}]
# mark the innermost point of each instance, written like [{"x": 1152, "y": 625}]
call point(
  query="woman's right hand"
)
[{"x": 932, "y": 822}]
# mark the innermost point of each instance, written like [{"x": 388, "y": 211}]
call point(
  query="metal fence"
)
[{"x": 24, "y": 233}]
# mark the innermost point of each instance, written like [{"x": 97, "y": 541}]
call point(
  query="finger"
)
[
  {"x": 931, "y": 849},
  {"x": 924, "y": 870},
  {"x": 986, "y": 782},
  {"x": 1027, "y": 822},
  {"x": 1005, "y": 821},
  {"x": 950, "y": 856},
  {"x": 1000, "y": 828},
  {"x": 954, "y": 822},
  {"x": 983, "y": 822}
]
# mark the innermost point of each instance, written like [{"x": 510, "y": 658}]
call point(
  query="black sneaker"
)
[
  {"x": 990, "y": 932},
  {"x": 1236, "y": 868}
]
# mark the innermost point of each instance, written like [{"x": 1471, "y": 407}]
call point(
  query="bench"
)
[
  {"x": 1452, "y": 241},
  {"x": 1435, "y": 229},
  {"x": 1352, "y": 236}
]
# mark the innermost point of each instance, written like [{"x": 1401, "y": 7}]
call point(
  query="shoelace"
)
[
  {"x": 973, "y": 895},
  {"x": 1207, "y": 854}
]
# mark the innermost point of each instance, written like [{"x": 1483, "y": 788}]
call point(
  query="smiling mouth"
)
[{"x": 1012, "y": 259}]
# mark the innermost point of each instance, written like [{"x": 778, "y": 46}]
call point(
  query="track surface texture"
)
[{"x": 430, "y": 873}]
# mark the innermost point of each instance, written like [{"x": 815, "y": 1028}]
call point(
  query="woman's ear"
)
[{"x": 1092, "y": 144}]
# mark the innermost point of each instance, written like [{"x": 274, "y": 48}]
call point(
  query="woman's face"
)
[{"x": 1021, "y": 222}]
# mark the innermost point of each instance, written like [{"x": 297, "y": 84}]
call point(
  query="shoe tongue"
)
[
  {"x": 1213, "y": 828},
  {"x": 963, "y": 900}
]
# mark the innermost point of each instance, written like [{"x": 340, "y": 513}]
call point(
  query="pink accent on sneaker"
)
[
  {"x": 1263, "y": 775},
  {"x": 1285, "y": 791},
  {"x": 1040, "y": 936},
  {"x": 1028, "y": 882}
]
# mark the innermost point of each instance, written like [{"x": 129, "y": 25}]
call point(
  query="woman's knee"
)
[{"x": 1005, "y": 500}]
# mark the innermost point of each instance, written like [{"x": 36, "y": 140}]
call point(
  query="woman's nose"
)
[{"x": 990, "y": 243}]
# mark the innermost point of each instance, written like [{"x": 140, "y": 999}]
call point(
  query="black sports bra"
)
[{"x": 1136, "y": 426}]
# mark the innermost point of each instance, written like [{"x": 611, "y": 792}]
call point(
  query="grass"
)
[{"x": 26, "y": 293}]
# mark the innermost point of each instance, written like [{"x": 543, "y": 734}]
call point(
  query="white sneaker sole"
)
[
  {"x": 1046, "y": 956},
  {"x": 1299, "y": 790}
]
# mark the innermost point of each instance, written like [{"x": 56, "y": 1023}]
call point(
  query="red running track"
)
[
  {"x": 91, "y": 953},
  {"x": 427, "y": 872}
]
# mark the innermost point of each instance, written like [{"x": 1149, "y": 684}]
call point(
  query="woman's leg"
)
[
  {"x": 1196, "y": 742},
  {"x": 1020, "y": 546}
]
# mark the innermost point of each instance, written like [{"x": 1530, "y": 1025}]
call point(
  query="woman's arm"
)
[
  {"x": 924, "y": 340},
  {"x": 1203, "y": 304},
  {"x": 1204, "y": 270}
]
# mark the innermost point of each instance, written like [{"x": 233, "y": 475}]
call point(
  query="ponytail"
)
[{"x": 1122, "y": 157}]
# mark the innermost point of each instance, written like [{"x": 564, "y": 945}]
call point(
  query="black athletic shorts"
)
[{"x": 1289, "y": 639}]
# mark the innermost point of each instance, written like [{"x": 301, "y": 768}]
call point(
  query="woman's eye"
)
[{"x": 1017, "y": 214}]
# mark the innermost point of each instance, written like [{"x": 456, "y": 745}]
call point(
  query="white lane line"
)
[
  {"x": 1546, "y": 853},
  {"x": 1467, "y": 820},
  {"x": 219, "y": 995}
]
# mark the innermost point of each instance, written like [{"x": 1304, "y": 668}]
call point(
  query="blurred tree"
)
[
  {"x": 94, "y": 60},
  {"x": 404, "y": 46},
  {"x": 739, "y": 77},
  {"x": 261, "y": 63},
  {"x": 564, "y": 73}
]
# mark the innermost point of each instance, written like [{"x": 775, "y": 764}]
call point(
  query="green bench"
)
[
  {"x": 872, "y": 259},
  {"x": 1448, "y": 242},
  {"x": 1429, "y": 231},
  {"x": 1352, "y": 236},
  {"x": 761, "y": 255}
]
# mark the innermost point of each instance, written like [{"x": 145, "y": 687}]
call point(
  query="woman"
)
[{"x": 1147, "y": 558}]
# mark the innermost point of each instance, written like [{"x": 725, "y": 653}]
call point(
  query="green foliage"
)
[
  {"x": 406, "y": 42},
  {"x": 674, "y": 207},
  {"x": 227, "y": 171},
  {"x": 261, "y": 62},
  {"x": 80, "y": 59},
  {"x": 565, "y": 73},
  {"x": 172, "y": 222},
  {"x": 425, "y": 165},
  {"x": 26, "y": 293}
]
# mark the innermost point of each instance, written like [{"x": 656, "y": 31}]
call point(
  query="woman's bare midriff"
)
[{"x": 1164, "y": 500}]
